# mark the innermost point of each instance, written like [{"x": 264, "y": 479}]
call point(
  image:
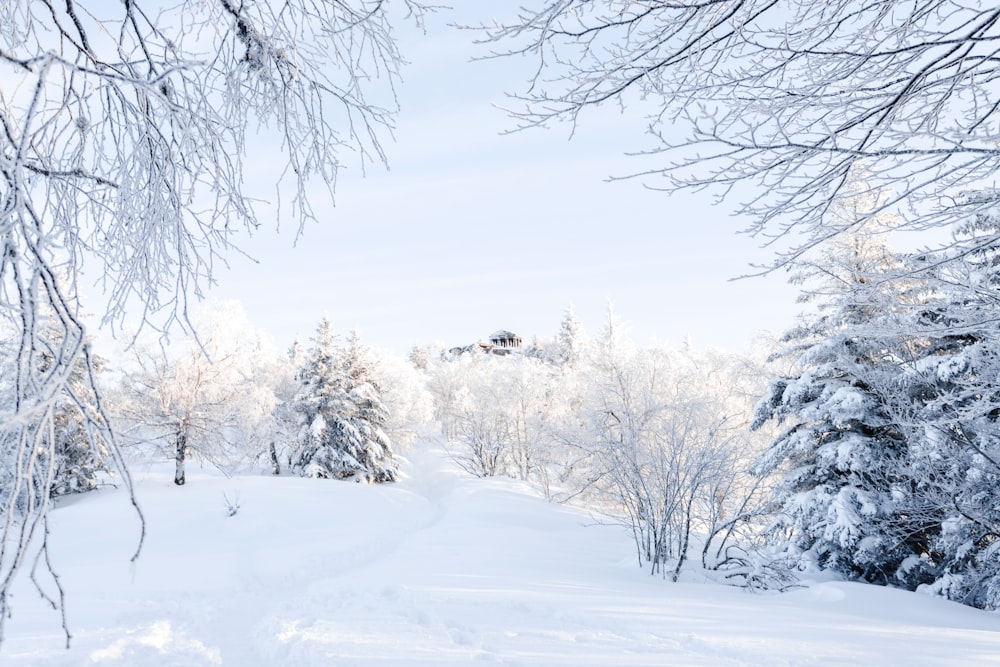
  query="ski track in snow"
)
[{"x": 438, "y": 569}]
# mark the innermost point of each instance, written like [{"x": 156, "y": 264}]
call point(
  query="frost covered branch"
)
[
  {"x": 125, "y": 130},
  {"x": 787, "y": 96}
]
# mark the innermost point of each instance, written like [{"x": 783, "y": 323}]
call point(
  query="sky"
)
[{"x": 473, "y": 229}]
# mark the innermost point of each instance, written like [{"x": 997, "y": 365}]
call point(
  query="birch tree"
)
[{"x": 124, "y": 129}]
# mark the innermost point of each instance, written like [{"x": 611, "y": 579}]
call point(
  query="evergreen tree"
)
[
  {"x": 341, "y": 414},
  {"x": 893, "y": 460},
  {"x": 846, "y": 499},
  {"x": 571, "y": 338},
  {"x": 955, "y": 395},
  {"x": 366, "y": 441},
  {"x": 80, "y": 456}
]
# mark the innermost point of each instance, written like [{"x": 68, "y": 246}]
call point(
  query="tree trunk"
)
[
  {"x": 685, "y": 541},
  {"x": 181, "y": 446},
  {"x": 275, "y": 465}
]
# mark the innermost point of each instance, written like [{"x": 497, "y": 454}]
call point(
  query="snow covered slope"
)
[{"x": 438, "y": 569}]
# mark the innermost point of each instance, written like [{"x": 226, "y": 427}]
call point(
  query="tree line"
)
[{"x": 866, "y": 445}]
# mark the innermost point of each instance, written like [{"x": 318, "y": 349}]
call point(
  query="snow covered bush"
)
[{"x": 666, "y": 431}]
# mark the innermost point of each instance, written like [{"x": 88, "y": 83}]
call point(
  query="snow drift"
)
[{"x": 439, "y": 568}]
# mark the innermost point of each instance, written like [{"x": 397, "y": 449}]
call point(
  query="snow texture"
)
[{"x": 438, "y": 569}]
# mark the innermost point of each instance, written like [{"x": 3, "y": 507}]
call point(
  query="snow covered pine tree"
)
[
  {"x": 952, "y": 386},
  {"x": 341, "y": 414},
  {"x": 845, "y": 500},
  {"x": 69, "y": 456},
  {"x": 893, "y": 459}
]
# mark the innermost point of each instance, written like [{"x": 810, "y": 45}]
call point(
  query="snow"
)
[{"x": 438, "y": 569}]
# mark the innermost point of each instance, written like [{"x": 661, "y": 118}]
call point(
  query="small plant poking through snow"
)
[{"x": 232, "y": 503}]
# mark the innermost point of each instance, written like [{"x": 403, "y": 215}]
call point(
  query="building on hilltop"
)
[
  {"x": 500, "y": 343},
  {"x": 505, "y": 340}
]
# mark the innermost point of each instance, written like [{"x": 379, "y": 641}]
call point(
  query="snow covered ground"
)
[{"x": 438, "y": 569}]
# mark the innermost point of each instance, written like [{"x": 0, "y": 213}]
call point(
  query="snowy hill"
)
[{"x": 437, "y": 569}]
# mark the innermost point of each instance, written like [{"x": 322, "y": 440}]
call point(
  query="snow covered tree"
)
[
  {"x": 667, "y": 448},
  {"x": 123, "y": 135},
  {"x": 80, "y": 457},
  {"x": 404, "y": 393},
  {"x": 497, "y": 414},
  {"x": 209, "y": 397},
  {"x": 846, "y": 496},
  {"x": 953, "y": 408},
  {"x": 341, "y": 414},
  {"x": 367, "y": 441},
  {"x": 891, "y": 461},
  {"x": 481, "y": 433},
  {"x": 73, "y": 453},
  {"x": 282, "y": 428},
  {"x": 529, "y": 400},
  {"x": 446, "y": 386},
  {"x": 845, "y": 492},
  {"x": 571, "y": 338},
  {"x": 54, "y": 440}
]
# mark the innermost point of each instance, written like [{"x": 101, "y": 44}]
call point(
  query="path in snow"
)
[{"x": 438, "y": 569}]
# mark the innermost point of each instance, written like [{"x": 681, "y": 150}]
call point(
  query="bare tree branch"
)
[
  {"x": 788, "y": 96},
  {"x": 123, "y": 142}
]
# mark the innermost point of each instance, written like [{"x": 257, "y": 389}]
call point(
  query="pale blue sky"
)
[{"x": 471, "y": 231}]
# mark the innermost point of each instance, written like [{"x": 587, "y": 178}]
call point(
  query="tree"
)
[
  {"x": 123, "y": 135},
  {"x": 80, "y": 457},
  {"x": 890, "y": 462},
  {"x": 54, "y": 440},
  {"x": 794, "y": 99},
  {"x": 788, "y": 96},
  {"x": 366, "y": 441},
  {"x": 497, "y": 414},
  {"x": 212, "y": 396},
  {"x": 952, "y": 410},
  {"x": 571, "y": 339},
  {"x": 846, "y": 501},
  {"x": 341, "y": 414},
  {"x": 282, "y": 428},
  {"x": 404, "y": 393},
  {"x": 668, "y": 448},
  {"x": 67, "y": 458}
]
